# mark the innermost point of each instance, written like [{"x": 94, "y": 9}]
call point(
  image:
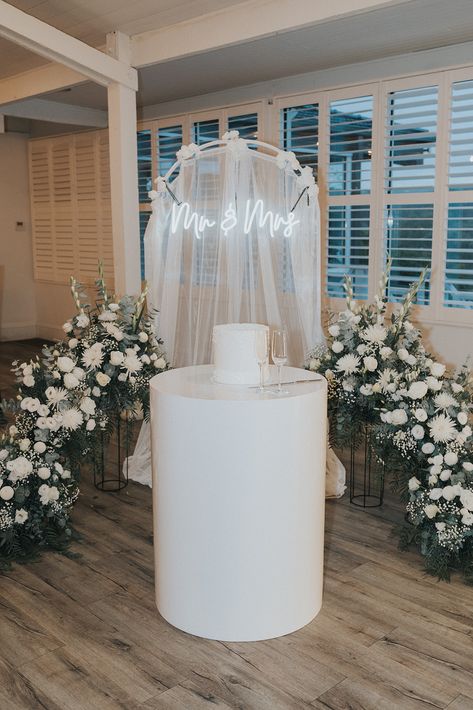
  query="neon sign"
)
[{"x": 254, "y": 214}]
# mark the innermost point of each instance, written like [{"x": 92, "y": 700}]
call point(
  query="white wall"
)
[{"x": 17, "y": 288}]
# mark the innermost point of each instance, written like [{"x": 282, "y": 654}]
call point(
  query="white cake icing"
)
[{"x": 236, "y": 347}]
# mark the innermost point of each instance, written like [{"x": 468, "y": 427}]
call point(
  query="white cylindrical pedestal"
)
[{"x": 238, "y": 497}]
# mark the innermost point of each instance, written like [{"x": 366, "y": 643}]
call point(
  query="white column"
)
[
  {"x": 123, "y": 175},
  {"x": 2, "y": 123}
]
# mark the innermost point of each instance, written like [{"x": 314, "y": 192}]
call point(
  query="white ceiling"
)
[
  {"x": 410, "y": 27},
  {"x": 91, "y": 20}
]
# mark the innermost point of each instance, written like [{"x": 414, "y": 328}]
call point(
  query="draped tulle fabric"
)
[{"x": 235, "y": 237}]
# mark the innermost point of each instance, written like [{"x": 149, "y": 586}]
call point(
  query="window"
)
[
  {"x": 246, "y": 125},
  {"x": 300, "y": 133},
  {"x": 350, "y": 129},
  {"x": 205, "y": 131}
]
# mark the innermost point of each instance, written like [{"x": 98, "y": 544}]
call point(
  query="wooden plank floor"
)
[{"x": 80, "y": 634}]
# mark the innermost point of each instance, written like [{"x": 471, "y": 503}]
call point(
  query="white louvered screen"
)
[
  {"x": 245, "y": 124},
  {"x": 351, "y": 127},
  {"x": 408, "y": 230},
  {"x": 145, "y": 165},
  {"x": 411, "y": 140},
  {"x": 458, "y": 290},
  {"x": 205, "y": 131},
  {"x": 348, "y": 249},
  {"x": 460, "y": 173},
  {"x": 70, "y": 202},
  {"x": 299, "y": 132}
]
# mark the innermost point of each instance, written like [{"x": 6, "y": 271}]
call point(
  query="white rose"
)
[
  {"x": 160, "y": 364},
  {"x": 428, "y": 448},
  {"x": 466, "y": 498},
  {"x": 27, "y": 370},
  {"x": 40, "y": 447},
  {"x": 411, "y": 360},
  {"x": 420, "y": 414},
  {"x": 73, "y": 343},
  {"x": 445, "y": 474},
  {"x": 468, "y": 466},
  {"x": 3, "y": 454},
  {"x": 399, "y": 417},
  {"x": 450, "y": 458},
  {"x": 44, "y": 473},
  {"x": 113, "y": 307},
  {"x": 146, "y": 360},
  {"x": 414, "y": 483},
  {"x": 96, "y": 391},
  {"x": 79, "y": 373},
  {"x": 21, "y": 516},
  {"x": 367, "y": 390},
  {"x": 67, "y": 327},
  {"x": 334, "y": 330},
  {"x": 361, "y": 349},
  {"x": 337, "y": 346},
  {"x": 66, "y": 473},
  {"x": 467, "y": 519},
  {"x": 417, "y": 390},
  {"x": 87, "y": 405},
  {"x": 82, "y": 320},
  {"x": 90, "y": 426},
  {"x": 437, "y": 369},
  {"x": 402, "y": 354},
  {"x": 438, "y": 460},
  {"x": 466, "y": 430},
  {"x": 28, "y": 381},
  {"x": 70, "y": 381},
  {"x": 143, "y": 337},
  {"x": 370, "y": 363},
  {"x": 433, "y": 384},
  {"x": 13, "y": 430},
  {"x": 6, "y": 493},
  {"x": 431, "y": 511},
  {"x": 122, "y": 377},
  {"x": 43, "y": 410},
  {"x": 385, "y": 352},
  {"x": 102, "y": 379},
  {"x": 116, "y": 357},
  {"x": 456, "y": 387},
  {"x": 418, "y": 432},
  {"x": 25, "y": 444},
  {"x": 450, "y": 492},
  {"x": 433, "y": 480},
  {"x": 440, "y": 526},
  {"x": 462, "y": 418},
  {"x": 65, "y": 363}
]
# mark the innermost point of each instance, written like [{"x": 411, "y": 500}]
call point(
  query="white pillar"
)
[
  {"x": 2, "y": 123},
  {"x": 123, "y": 175}
]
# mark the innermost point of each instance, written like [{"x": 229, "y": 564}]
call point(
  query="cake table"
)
[{"x": 238, "y": 503}]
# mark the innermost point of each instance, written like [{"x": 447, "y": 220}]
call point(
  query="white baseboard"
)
[{"x": 17, "y": 331}]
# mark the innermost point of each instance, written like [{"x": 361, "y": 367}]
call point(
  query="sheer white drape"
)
[{"x": 234, "y": 238}]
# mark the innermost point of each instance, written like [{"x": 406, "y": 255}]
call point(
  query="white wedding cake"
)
[{"x": 237, "y": 348}]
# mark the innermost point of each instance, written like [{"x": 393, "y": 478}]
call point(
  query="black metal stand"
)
[
  {"x": 112, "y": 476},
  {"x": 367, "y": 479}
]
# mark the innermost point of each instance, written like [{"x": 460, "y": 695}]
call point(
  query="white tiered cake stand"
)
[{"x": 238, "y": 497}]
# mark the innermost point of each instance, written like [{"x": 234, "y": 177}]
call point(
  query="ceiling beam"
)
[
  {"x": 43, "y": 80},
  {"x": 244, "y": 22},
  {"x": 55, "y": 112},
  {"x": 39, "y": 37}
]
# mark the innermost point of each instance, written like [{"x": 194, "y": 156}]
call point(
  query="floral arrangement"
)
[
  {"x": 379, "y": 374},
  {"x": 65, "y": 400}
]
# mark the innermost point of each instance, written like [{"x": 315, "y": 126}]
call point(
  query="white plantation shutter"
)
[
  {"x": 458, "y": 291},
  {"x": 350, "y": 123},
  {"x": 70, "y": 202}
]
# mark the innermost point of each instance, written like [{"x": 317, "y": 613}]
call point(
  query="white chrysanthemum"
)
[
  {"x": 93, "y": 356},
  {"x": 72, "y": 418},
  {"x": 55, "y": 395},
  {"x": 444, "y": 400},
  {"x": 132, "y": 363},
  {"x": 386, "y": 378},
  {"x": 374, "y": 334},
  {"x": 442, "y": 428},
  {"x": 348, "y": 364}
]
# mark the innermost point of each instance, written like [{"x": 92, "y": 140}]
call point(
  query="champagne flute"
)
[
  {"x": 262, "y": 355},
  {"x": 279, "y": 353}
]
